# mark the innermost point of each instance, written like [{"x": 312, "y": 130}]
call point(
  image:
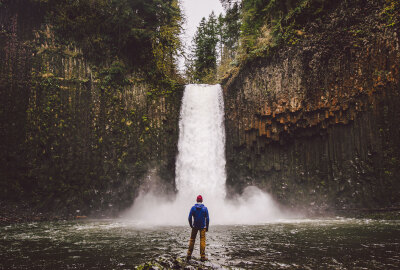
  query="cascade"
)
[
  {"x": 200, "y": 166},
  {"x": 200, "y": 169}
]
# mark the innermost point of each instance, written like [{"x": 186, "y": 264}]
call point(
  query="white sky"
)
[{"x": 194, "y": 10}]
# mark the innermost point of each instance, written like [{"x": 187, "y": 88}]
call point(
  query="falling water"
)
[
  {"x": 200, "y": 169},
  {"x": 200, "y": 166}
]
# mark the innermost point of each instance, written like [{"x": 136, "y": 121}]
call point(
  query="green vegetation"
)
[
  {"x": 214, "y": 46},
  {"x": 267, "y": 24},
  {"x": 249, "y": 29},
  {"x": 84, "y": 91},
  {"x": 203, "y": 63},
  {"x": 229, "y": 42},
  {"x": 391, "y": 11}
]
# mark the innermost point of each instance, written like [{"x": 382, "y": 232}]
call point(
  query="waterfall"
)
[
  {"x": 200, "y": 166},
  {"x": 200, "y": 169}
]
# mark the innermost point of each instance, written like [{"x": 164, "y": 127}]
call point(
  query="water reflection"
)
[{"x": 305, "y": 244}]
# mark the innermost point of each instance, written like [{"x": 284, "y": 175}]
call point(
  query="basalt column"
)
[{"x": 317, "y": 123}]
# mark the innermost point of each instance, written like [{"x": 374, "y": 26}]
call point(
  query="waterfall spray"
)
[
  {"x": 200, "y": 166},
  {"x": 200, "y": 169}
]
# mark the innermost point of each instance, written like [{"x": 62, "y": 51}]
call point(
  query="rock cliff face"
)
[
  {"x": 74, "y": 135},
  {"x": 317, "y": 123}
]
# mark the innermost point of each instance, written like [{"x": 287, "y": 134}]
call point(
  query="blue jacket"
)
[{"x": 200, "y": 214}]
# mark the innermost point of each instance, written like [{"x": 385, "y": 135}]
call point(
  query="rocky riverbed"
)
[{"x": 336, "y": 243}]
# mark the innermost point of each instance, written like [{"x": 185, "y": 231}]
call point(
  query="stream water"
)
[{"x": 291, "y": 244}]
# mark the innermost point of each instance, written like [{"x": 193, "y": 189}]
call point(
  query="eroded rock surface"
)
[{"x": 318, "y": 123}]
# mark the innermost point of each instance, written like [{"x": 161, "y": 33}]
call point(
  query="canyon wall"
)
[
  {"x": 76, "y": 135},
  {"x": 317, "y": 123}
]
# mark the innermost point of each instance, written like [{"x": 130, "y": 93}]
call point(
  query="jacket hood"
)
[{"x": 199, "y": 205}]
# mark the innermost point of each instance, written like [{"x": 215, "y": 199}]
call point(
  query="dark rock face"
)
[
  {"x": 69, "y": 140},
  {"x": 317, "y": 124}
]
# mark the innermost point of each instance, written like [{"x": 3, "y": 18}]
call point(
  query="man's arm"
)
[
  {"x": 207, "y": 220},
  {"x": 190, "y": 217}
]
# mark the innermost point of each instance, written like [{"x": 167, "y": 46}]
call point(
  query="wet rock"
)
[
  {"x": 168, "y": 262},
  {"x": 329, "y": 106}
]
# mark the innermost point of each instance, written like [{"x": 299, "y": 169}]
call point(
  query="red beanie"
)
[{"x": 199, "y": 198}]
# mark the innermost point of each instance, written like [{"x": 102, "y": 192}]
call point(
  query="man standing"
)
[{"x": 201, "y": 220}]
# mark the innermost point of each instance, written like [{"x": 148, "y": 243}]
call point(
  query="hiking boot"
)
[{"x": 203, "y": 259}]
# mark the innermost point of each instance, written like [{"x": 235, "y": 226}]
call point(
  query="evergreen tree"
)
[
  {"x": 231, "y": 29},
  {"x": 221, "y": 35},
  {"x": 229, "y": 32},
  {"x": 205, "y": 51}
]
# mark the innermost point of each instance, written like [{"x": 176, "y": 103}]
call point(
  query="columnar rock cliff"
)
[
  {"x": 77, "y": 135},
  {"x": 317, "y": 123}
]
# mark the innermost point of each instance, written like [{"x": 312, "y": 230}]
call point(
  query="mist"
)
[
  {"x": 253, "y": 207},
  {"x": 200, "y": 169}
]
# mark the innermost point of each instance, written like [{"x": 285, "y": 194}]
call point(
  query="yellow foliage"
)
[{"x": 47, "y": 75}]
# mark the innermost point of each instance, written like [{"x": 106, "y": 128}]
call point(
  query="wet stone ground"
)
[{"x": 288, "y": 244}]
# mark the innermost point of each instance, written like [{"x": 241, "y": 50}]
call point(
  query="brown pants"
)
[{"x": 202, "y": 242}]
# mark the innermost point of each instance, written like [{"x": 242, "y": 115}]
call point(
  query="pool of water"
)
[{"x": 287, "y": 244}]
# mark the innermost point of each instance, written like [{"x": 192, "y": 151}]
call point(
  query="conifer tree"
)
[
  {"x": 205, "y": 51},
  {"x": 231, "y": 29}
]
